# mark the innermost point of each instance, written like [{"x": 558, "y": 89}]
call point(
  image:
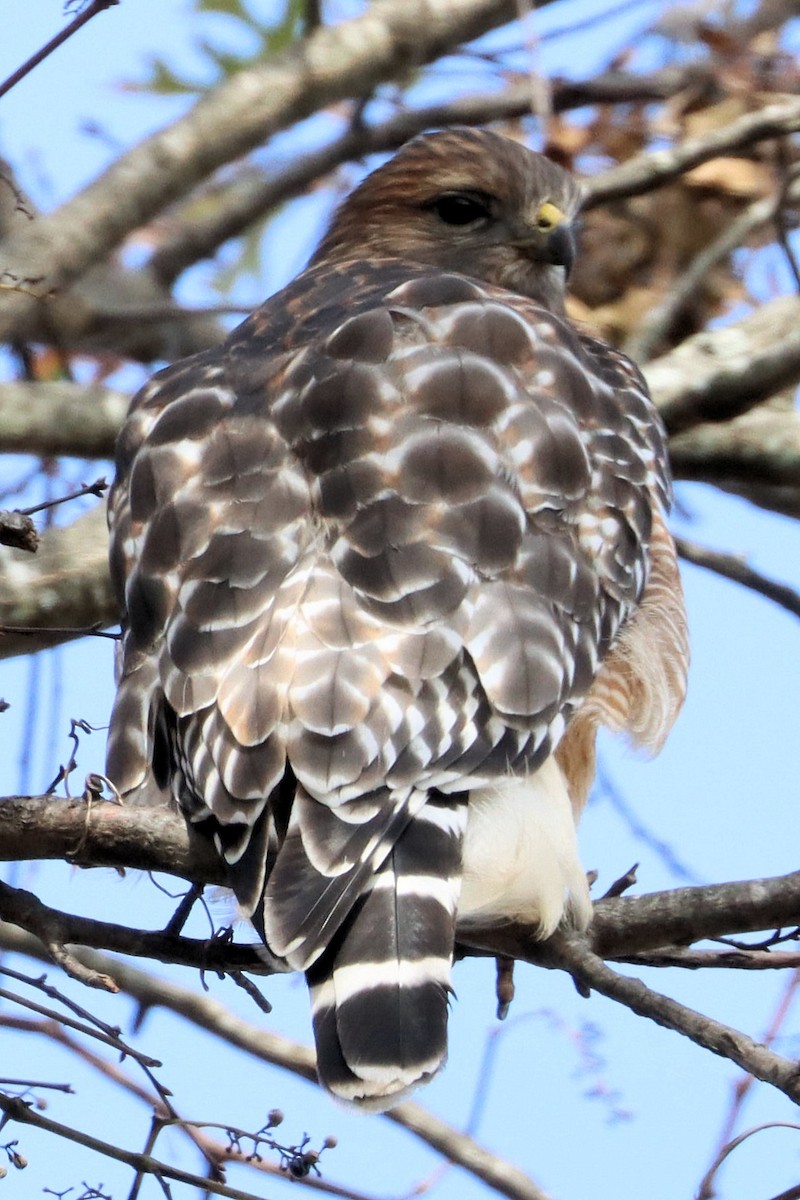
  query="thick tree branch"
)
[
  {"x": 65, "y": 585},
  {"x": 683, "y": 915},
  {"x": 626, "y": 925},
  {"x": 98, "y": 833},
  {"x": 60, "y": 418},
  {"x": 101, "y": 833},
  {"x": 646, "y": 172},
  {"x": 104, "y": 834},
  {"x": 82, "y": 320},
  {"x": 717, "y": 375},
  {"x": 622, "y": 926},
  {"x": 333, "y": 63},
  {"x": 756, "y": 456}
]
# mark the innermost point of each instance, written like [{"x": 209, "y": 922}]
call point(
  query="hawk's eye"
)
[{"x": 461, "y": 208}]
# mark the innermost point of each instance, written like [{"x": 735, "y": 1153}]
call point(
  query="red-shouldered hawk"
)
[{"x": 387, "y": 557}]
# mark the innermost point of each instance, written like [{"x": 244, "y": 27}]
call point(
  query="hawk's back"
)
[{"x": 373, "y": 553}]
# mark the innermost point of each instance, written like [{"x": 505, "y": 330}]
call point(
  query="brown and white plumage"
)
[{"x": 388, "y": 556}]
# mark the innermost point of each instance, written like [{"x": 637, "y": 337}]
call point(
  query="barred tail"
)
[{"x": 380, "y": 991}]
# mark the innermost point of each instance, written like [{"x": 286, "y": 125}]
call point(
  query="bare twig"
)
[
  {"x": 621, "y": 885},
  {"x": 702, "y": 960},
  {"x": 607, "y": 789},
  {"x": 731, "y": 566},
  {"x": 91, "y": 10},
  {"x": 208, "y": 1014},
  {"x": 744, "y": 1084},
  {"x": 48, "y": 926},
  {"x": 88, "y": 1028},
  {"x": 60, "y": 632},
  {"x": 17, "y": 1110},
  {"x": 787, "y": 194},
  {"x": 706, "y": 1189},
  {"x": 86, "y": 489},
  {"x": 30, "y": 1084}
]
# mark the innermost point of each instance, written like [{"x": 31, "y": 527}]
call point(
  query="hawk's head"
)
[{"x": 465, "y": 200}]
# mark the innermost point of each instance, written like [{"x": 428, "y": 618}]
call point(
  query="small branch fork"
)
[
  {"x": 298, "y": 1161},
  {"x": 22, "y": 1112},
  {"x": 16, "y": 527}
]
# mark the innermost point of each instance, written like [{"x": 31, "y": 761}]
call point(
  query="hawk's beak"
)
[
  {"x": 558, "y": 239},
  {"x": 551, "y": 240},
  {"x": 559, "y": 246}
]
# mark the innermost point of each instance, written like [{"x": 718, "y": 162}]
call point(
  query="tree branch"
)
[
  {"x": 61, "y": 417},
  {"x": 98, "y": 833},
  {"x": 726, "y": 960},
  {"x": 717, "y": 375},
  {"x": 19, "y": 1111},
  {"x": 103, "y": 834},
  {"x": 333, "y": 63},
  {"x": 756, "y": 456},
  {"x": 97, "y": 313},
  {"x": 91, "y": 10},
  {"x": 733, "y": 567},
  {"x": 56, "y": 929},
  {"x": 683, "y": 915},
  {"x": 649, "y": 171},
  {"x": 572, "y": 954},
  {"x": 660, "y": 321},
  {"x": 66, "y": 585},
  {"x": 253, "y": 193}
]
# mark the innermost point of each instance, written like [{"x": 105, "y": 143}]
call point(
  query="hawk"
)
[{"x": 387, "y": 557}]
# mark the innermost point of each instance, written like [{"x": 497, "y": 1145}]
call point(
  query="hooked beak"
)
[
  {"x": 551, "y": 238},
  {"x": 559, "y": 247}
]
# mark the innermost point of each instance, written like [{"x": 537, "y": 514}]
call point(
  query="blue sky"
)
[{"x": 723, "y": 795}]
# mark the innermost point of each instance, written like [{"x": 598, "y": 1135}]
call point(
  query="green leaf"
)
[
  {"x": 231, "y": 8},
  {"x": 227, "y": 63},
  {"x": 163, "y": 80},
  {"x": 286, "y": 33}
]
